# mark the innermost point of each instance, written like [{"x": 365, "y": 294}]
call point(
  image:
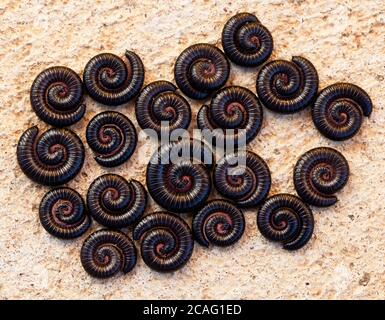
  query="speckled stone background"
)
[{"x": 344, "y": 39}]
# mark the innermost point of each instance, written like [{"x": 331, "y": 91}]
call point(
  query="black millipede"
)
[
  {"x": 200, "y": 70},
  {"x": 52, "y": 159},
  {"x": 111, "y": 81},
  {"x": 166, "y": 241},
  {"x": 112, "y": 136},
  {"x": 57, "y": 96},
  {"x": 287, "y": 219},
  {"x": 178, "y": 175},
  {"x": 243, "y": 177},
  {"x": 236, "y": 111},
  {"x": 318, "y": 174},
  {"x": 63, "y": 214},
  {"x": 105, "y": 252},
  {"x": 246, "y": 41},
  {"x": 159, "y": 104},
  {"x": 114, "y": 202},
  {"x": 287, "y": 86},
  {"x": 218, "y": 223},
  {"x": 338, "y": 110}
]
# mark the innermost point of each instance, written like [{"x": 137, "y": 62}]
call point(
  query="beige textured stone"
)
[{"x": 344, "y": 39}]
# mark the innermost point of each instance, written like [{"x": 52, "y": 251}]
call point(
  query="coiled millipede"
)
[
  {"x": 246, "y": 41},
  {"x": 105, "y": 252},
  {"x": 200, "y": 70},
  {"x": 63, "y": 214},
  {"x": 114, "y": 202},
  {"x": 243, "y": 177},
  {"x": 318, "y": 174},
  {"x": 178, "y": 175},
  {"x": 57, "y": 96},
  {"x": 287, "y": 86},
  {"x": 112, "y": 136},
  {"x": 287, "y": 219},
  {"x": 52, "y": 159},
  {"x": 166, "y": 241},
  {"x": 160, "y": 104},
  {"x": 111, "y": 81},
  {"x": 235, "y": 114},
  {"x": 338, "y": 111},
  {"x": 219, "y": 223}
]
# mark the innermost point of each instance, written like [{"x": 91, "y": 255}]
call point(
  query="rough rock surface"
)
[{"x": 345, "y": 41}]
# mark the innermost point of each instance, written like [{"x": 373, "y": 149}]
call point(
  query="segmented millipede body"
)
[
  {"x": 219, "y": 223},
  {"x": 200, "y": 70},
  {"x": 112, "y": 136},
  {"x": 159, "y": 102},
  {"x": 166, "y": 241},
  {"x": 111, "y": 81},
  {"x": 287, "y": 86},
  {"x": 243, "y": 177},
  {"x": 62, "y": 213},
  {"x": 178, "y": 175},
  {"x": 57, "y": 96},
  {"x": 318, "y": 174},
  {"x": 114, "y": 202},
  {"x": 236, "y": 111},
  {"x": 52, "y": 159},
  {"x": 286, "y": 218},
  {"x": 246, "y": 41},
  {"x": 338, "y": 111},
  {"x": 105, "y": 252}
]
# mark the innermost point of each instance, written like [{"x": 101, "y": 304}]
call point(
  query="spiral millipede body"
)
[
  {"x": 166, "y": 241},
  {"x": 338, "y": 111},
  {"x": 200, "y": 70},
  {"x": 57, "y": 96},
  {"x": 287, "y": 219},
  {"x": 318, "y": 174},
  {"x": 111, "y": 81},
  {"x": 243, "y": 177},
  {"x": 52, "y": 159},
  {"x": 246, "y": 41},
  {"x": 235, "y": 114},
  {"x": 287, "y": 86},
  {"x": 105, "y": 252},
  {"x": 63, "y": 214},
  {"x": 178, "y": 175},
  {"x": 159, "y": 103},
  {"x": 112, "y": 136},
  {"x": 114, "y": 202},
  {"x": 219, "y": 223}
]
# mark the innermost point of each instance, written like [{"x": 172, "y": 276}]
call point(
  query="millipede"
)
[
  {"x": 114, "y": 202},
  {"x": 200, "y": 70},
  {"x": 287, "y": 86},
  {"x": 287, "y": 219},
  {"x": 237, "y": 111},
  {"x": 111, "y": 81},
  {"x": 318, "y": 174},
  {"x": 105, "y": 252},
  {"x": 57, "y": 96},
  {"x": 158, "y": 103},
  {"x": 53, "y": 158},
  {"x": 112, "y": 136},
  {"x": 178, "y": 175},
  {"x": 166, "y": 241},
  {"x": 243, "y": 177},
  {"x": 246, "y": 41},
  {"x": 63, "y": 213},
  {"x": 219, "y": 223},
  {"x": 338, "y": 111}
]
